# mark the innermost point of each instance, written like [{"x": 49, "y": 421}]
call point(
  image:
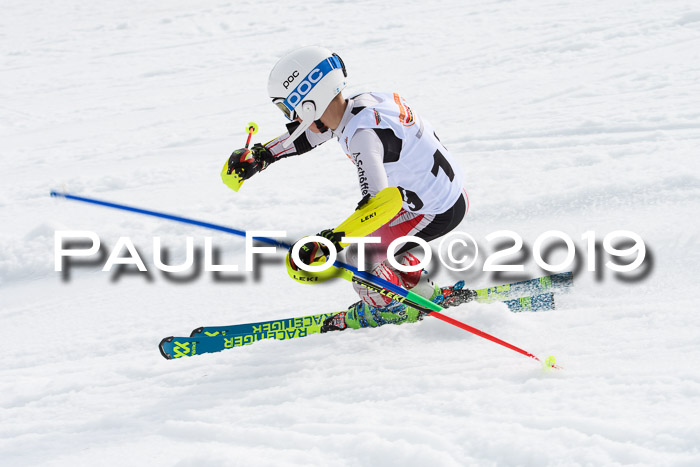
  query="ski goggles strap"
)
[{"x": 309, "y": 82}]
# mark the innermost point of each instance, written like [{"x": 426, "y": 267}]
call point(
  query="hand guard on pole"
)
[
  {"x": 247, "y": 162},
  {"x": 312, "y": 251}
]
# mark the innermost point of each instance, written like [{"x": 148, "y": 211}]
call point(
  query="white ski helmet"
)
[{"x": 303, "y": 83}]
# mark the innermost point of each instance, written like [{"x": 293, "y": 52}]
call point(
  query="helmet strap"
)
[
  {"x": 319, "y": 124},
  {"x": 307, "y": 113}
]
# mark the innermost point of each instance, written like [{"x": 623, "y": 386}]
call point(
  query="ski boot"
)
[
  {"x": 335, "y": 323},
  {"x": 362, "y": 315},
  {"x": 454, "y": 295}
]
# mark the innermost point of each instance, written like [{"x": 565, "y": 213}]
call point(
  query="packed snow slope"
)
[{"x": 565, "y": 115}]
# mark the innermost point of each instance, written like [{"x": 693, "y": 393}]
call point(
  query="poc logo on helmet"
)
[
  {"x": 304, "y": 87},
  {"x": 290, "y": 79}
]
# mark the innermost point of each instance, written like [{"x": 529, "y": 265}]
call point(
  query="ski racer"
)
[{"x": 390, "y": 145}]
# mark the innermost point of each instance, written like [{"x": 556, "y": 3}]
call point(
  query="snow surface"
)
[{"x": 565, "y": 115}]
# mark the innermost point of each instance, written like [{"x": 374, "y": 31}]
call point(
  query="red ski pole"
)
[{"x": 549, "y": 361}]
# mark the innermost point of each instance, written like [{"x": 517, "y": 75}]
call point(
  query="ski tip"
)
[
  {"x": 197, "y": 331},
  {"x": 165, "y": 354}
]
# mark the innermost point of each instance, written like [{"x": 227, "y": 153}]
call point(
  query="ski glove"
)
[
  {"x": 247, "y": 162},
  {"x": 311, "y": 251}
]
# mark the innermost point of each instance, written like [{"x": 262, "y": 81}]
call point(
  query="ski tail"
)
[
  {"x": 560, "y": 282},
  {"x": 540, "y": 302}
]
